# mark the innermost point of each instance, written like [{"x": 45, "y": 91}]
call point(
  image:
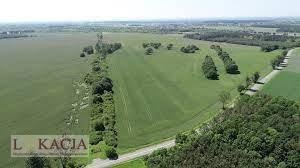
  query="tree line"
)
[
  {"x": 260, "y": 131},
  {"x": 154, "y": 45},
  {"x": 103, "y": 117},
  {"x": 248, "y": 81},
  {"x": 209, "y": 68},
  {"x": 267, "y": 41},
  {"x": 189, "y": 49},
  {"x": 279, "y": 59},
  {"x": 230, "y": 66}
]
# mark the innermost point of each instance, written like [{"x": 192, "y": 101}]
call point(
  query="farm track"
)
[{"x": 260, "y": 84}]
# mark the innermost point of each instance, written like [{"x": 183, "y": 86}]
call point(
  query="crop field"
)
[
  {"x": 287, "y": 82},
  {"x": 165, "y": 93},
  {"x": 38, "y": 86}
]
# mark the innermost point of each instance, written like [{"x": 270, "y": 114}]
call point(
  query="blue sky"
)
[{"x": 76, "y": 10}]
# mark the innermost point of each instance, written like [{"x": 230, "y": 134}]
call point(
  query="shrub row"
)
[
  {"x": 279, "y": 59},
  {"x": 189, "y": 49},
  {"x": 209, "y": 68},
  {"x": 230, "y": 65},
  {"x": 103, "y": 117},
  {"x": 154, "y": 45}
]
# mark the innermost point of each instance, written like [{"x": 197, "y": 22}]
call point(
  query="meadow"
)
[
  {"x": 39, "y": 78},
  {"x": 159, "y": 95},
  {"x": 156, "y": 96},
  {"x": 287, "y": 82}
]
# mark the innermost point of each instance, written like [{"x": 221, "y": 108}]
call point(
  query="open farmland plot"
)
[
  {"x": 37, "y": 77},
  {"x": 287, "y": 83},
  {"x": 162, "y": 94}
]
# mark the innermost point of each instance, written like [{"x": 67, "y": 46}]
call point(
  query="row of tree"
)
[
  {"x": 103, "y": 118},
  {"x": 209, "y": 68},
  {"x": 189, "y": 49},
  {"x": 230, "y": 66},
  {"x": 248, "y": 81},
  {"x": 259, "y": 131},
  {"x": 279, "y": 59},
  {"x": 149, "y": 47},
  {"x": 152, "y": 44},
  {"x": 267, "y": 41}
]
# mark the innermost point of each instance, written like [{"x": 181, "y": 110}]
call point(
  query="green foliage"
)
[
  {"x": 255, "y": 77},
  {"x": 279, "y": 59},
  {"x": 189, "y": 49},
  {"x": 230, "y": 65},
  {"x": 152, "y": 44},
  {"x": 248, "y": 81},
  {"x": 241, "y": 88},
  {"x": 95, "y": 137},
  {"x": 260, "y": 131},
  {"x": 37, "y": 162},
  {"x": 82, "y": 54},
  {"x": 181, "y": 138},
  {"x": 209, "y": 68},
  {"x": 88, "y": 50},
  {"x": 111, "y": 153},
  {"x": 103, "y": 108},
  {"x": 169, "y": 46},
  {"x": 149, "y": 51},
  {"x": 267, "y": 41},
  {"x": 107, "y": 48},
  {"x": 224, "y": 97}
]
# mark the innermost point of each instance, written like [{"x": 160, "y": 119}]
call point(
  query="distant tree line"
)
[
  {"x": 107, "y": 48},
  {"x": 189, "y": 49},
  {"x": 209, "y": 68},
  {"x": 267, "y": 41},
  {"x": 279, "y": 59},
  {"x": 259, "y": 131},
  {"x": 292, "y": 28},
  {"x": 103, "y": 117},
  {"x": 230, "y": 66}
]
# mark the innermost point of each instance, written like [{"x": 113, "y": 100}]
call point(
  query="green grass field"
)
[
  {"x": 287, "y": 83},
  {"x": 37, "y": 77},
  {"x": 139, "y": 163},
  {"x": 160, "y": 95},
  {"x": 156, "y": 96}
]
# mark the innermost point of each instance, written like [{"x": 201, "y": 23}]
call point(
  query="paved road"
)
[
  {"x": 260, "y": 84},
  {"x": 102, "y": 163}
]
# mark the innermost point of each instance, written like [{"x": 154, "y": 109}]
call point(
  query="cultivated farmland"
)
[
  {"x": 165, "y": 93},
  {"x": 38, "y": 87}
]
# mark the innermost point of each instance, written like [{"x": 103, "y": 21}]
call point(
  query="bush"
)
[
  {"x": 181, "y": 138},
  {"x": 230, "y": 65},
  {"x": 209, "y": 68},
  {"x": 82, "y": 55},
  {"x": 241, "y": 88},
  {"x": 169, "y": 46},
  {"x": 189, "y": 49},
  {"x": 111, "y": 153},
  {"x": 149, "y": 51},
  {"x": 95, "y": 137},
  {"x": 255, "y": 77},
  {"x": 98, "y": 125},
  {"x": 88, "y": 50}
]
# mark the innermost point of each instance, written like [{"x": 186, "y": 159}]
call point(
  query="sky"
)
[{"x": 103, "y": 10}]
